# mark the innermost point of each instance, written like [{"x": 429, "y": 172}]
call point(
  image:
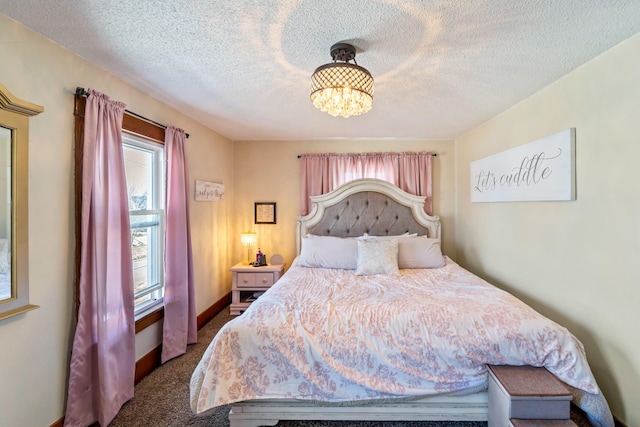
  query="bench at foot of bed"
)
[{"x": 528, "y": 393}]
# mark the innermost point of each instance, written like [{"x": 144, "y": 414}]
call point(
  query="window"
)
[{"x": 144, "y": 165}]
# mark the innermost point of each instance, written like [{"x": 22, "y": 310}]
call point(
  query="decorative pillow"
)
[
  {"x": 421, "y": 252},
  {"x": 377, "y": 257},
  {"x": 328, "y": 252}
]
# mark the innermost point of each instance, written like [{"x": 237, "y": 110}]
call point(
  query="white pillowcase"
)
[
  {"x": 328, "y": 252},
  {"x": 421, "y": 252},
  {"x": 377, "y": 256}
]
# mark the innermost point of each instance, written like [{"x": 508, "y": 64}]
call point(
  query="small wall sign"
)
[
  {"x": 542, "y": 170},
  {"x": 209, "y": 191}
]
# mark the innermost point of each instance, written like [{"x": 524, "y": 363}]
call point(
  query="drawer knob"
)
[
  {"x": 246, "y": 281},
  {"x": 264, "y": 280}
]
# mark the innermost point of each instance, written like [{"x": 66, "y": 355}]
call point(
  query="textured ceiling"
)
[{"x": 243, "y": 67}]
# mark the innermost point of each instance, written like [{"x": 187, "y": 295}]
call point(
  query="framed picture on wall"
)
[{"x": 264, "y": 213}]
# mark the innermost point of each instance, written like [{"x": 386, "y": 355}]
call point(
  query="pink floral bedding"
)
[{"x": 329, "y": 335}]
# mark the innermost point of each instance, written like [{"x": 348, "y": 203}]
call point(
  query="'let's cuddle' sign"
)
[{"x": 542, "y": 170}]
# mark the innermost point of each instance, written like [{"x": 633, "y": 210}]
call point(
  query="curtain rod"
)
[
  {"x": 432, "y": 155},
  {"x": 82, "y": 92}
]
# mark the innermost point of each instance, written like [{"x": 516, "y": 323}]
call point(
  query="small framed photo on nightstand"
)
[{"x": 265, "y": 213}]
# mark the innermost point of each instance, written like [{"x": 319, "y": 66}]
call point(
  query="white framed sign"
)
[
  {"x": 542, "y": 170},
  {"x": 209, "y": 191}
]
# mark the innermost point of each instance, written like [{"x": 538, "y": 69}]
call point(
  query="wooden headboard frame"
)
[{"x": 368, "y": 206}]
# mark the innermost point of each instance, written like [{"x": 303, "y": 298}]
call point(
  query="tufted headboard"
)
[{"x": 368, "y": 206}]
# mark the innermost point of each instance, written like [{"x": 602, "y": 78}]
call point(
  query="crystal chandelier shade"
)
[{"x": 341, "y": 88}]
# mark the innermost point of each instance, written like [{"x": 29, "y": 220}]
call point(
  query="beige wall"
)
[
  {"x": 270, "y": 171},
  {"x": 35, "y": 346},
  {"x": 574, "y": 261}
]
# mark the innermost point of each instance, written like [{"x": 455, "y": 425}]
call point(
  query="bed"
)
[{"x": 373, "y": 322}]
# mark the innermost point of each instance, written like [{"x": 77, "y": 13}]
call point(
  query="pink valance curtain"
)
[
  {"x": 321, "y": 173},
  {"x": 180, "y": 323},
  {"x": 101, "y": 377}
]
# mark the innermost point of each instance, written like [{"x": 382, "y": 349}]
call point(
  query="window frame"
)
[{"x": 158, "y": 207}]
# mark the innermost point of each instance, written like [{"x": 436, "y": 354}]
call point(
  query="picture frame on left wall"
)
[{"x": 264, "y": 213}]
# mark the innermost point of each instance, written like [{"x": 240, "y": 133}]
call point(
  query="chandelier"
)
[{"x": 341, "y": 88}]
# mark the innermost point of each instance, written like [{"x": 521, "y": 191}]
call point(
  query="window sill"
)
[{"x": 150, "y": 317}]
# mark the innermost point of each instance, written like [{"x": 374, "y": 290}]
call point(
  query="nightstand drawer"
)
[
  {"x": 252, "y": 280},
  {"x": 249, "y": 281},
  {"x": 264, "y": 279}
]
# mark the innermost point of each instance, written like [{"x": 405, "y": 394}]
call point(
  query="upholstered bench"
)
[{"x": 525, "y": 392}]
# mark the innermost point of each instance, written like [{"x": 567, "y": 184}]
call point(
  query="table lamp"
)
[{"x": 248, "y": 239}]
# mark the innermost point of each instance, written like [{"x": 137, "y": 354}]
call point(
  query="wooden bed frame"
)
[{"x": 378, "y": 208}]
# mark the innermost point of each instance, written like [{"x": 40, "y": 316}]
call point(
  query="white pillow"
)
[
  {"x": 421, "y": 252},
  {"x": 328, "y": 252},
  {"x": 377, "y": 257}
]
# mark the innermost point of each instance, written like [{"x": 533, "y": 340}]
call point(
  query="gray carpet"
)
[{"x": 162, "y": 398}]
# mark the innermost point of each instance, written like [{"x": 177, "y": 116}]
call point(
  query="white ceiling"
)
[{"x": 243, "y": 67}]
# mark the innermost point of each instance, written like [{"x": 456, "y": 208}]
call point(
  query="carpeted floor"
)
[{"x": 162, "y": 398}]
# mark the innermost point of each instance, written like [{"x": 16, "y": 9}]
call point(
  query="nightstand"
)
[{"x": 250, "y": 282}]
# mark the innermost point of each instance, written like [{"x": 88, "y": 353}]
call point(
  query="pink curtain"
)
[
  {"x": 102, "y": 368},
  {"x": 347, "y": 167},
  {"x": 314, "y": 181},
  {"x": 344, "y": 168},
  {"x": 382, "y": 166},
  {"x": 322, "y": 173},
  {"x": 414, "y": 177},
  {"x": 180, "y": 325}
]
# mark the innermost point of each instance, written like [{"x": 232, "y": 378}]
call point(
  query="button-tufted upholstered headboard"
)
[{"x": 368, "y": 206}]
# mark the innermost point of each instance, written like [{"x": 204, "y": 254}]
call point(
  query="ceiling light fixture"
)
[{"x": 341, "y": 88}]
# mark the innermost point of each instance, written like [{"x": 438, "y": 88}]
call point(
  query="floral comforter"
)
[{"x": 329, "y": 335}]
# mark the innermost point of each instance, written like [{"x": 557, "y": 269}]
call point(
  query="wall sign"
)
[
  {"x": 209, "y": 191},
  {"x": 540, "y": 170}
]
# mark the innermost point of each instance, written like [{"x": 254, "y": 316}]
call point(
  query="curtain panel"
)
[
  {"x": 102, "y": 368},
  {"x": 180, "y": 320},
  {"x": 315, "y": 178},
  {"x": 321, "y": 173},
  {"x": 415, "y": 176}
]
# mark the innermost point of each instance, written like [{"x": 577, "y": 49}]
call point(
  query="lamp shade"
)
[
  {"x": 341, "y": 88},
  {"x": 248, "y": 238}
]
